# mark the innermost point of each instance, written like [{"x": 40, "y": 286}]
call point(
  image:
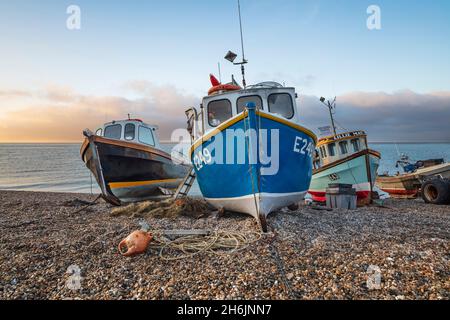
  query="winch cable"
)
[
  {"x": 88, "y": 205},
  {"x": 275, "y": 253}
]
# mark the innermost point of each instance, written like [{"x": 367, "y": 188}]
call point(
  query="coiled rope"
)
[{"x": 216, "y": 242}]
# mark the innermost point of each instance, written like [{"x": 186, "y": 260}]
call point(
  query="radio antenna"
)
[
  {"x": 231, "y": 56},
  {"x": 331, "y": 107},
  {"x": 242, "y": 46},
  {"x": 240, "y": 27}
]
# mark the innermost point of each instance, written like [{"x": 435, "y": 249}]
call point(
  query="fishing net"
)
[{"x": 169, "y": 208}]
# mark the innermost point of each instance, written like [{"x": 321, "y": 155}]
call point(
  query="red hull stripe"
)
[
  {"x": 321, "y": 196},
  {"x": 400, "y": 191}
]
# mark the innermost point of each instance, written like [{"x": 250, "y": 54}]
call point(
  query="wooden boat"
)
[
  {"x": 408, "y": 185},
  {"x": 250, "y": 152},
  {"x": 236, "y": 134},
  {"x": 128, "y": 163},
  {"x": 345, "y": 158}
]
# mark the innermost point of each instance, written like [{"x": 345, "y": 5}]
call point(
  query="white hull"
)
[{"x": 260, "y": 204}]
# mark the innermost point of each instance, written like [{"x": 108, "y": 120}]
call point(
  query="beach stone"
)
[{"x": 324, "y": 255}]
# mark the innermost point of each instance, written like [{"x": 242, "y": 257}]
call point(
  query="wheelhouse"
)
[
  {"x": 132, "y": 130},
  {"x": 270, "y": 97},
  {"x": 338, "y": 147}
]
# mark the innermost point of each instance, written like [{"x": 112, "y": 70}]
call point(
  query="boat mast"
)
[
  {"x": 231, "y": 56},
  {"x": 242, "y": 46},
  {"x": 330, "y": 106}
]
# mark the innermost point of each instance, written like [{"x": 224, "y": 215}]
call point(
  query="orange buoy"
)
[
  {"x": 224, "y": 87},
  {"x": 136, "y": 243}
]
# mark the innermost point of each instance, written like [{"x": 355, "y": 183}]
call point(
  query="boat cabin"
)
[
  {"x": 334, "y": 148},
  {"x": 271, "y": 97},
  {"x": 132, "y": 130}
]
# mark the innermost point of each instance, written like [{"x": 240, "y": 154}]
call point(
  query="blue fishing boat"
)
[{"x": 251, "y": 154}]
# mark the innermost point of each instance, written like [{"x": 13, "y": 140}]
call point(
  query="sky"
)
[{"x": 152, "y": 59}]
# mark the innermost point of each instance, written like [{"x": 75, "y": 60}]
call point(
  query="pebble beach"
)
[{"x": 398, "y": 251}]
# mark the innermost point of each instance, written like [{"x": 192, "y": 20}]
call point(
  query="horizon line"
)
[{"x": 168, "y": 141}]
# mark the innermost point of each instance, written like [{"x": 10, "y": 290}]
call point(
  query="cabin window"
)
[
  {"x": 316, "y": 155},
  {"x": 323, "y": 152},
  {"x": 332, "y": 149},
  {"x": 99, "y": 132},
  {"x": 219, "y": 111},
  {"x": 343, "y": 146},
  {"x": 146, "y": 136},
  {"x": 129, "y": 131},
  {"x": 316, "y": 161},
  {"x": 242, "y": 102},
  {"x": 355, "y": 144},
  {"x": 281, "y": 103},
  {"x": 113, "y": 131}
]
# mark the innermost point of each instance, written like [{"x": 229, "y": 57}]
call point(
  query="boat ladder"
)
[{"x": 185, "y": 186}]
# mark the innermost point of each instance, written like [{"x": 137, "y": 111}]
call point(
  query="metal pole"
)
[
  {"x": 242, "y": 46},
  {"x": 331, "y": 116},
  {"x": 368, "y": 170},
  {"x": 240, "y": 26}
]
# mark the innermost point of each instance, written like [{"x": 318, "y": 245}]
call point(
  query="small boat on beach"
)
[
  {"x": 249, "y": 151},
  {"x": 427, "y": 177},
  {"x": 128, "y": 163},
  {"x": 344, "y": 158}
]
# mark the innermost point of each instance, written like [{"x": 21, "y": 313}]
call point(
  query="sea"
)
[{"x": 59, "y": 168}]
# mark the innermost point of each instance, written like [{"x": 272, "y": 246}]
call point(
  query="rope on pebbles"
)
[
  {"x": 186, "y": 245},
  {"x": 217, "y": 242}
]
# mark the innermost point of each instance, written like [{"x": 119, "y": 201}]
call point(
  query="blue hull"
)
[{"x": 255, "y": 173}]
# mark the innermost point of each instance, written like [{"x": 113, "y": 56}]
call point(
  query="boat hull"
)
[
  {"x": 250, "y": 184},
  {"x": 408, "y": 185},
  {"x": 359, "y": 170},
  {"x": 129, "y": 172}
]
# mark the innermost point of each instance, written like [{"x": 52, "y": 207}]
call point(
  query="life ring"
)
[{"x": 223, "y": 87}]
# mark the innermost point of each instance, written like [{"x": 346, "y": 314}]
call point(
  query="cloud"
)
[
  {"x": 400, "y": 116},
  {"x": 60, "y": 114},
  {"x": 14, "y": 94},
  {"x": 291, "y": 79}
]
